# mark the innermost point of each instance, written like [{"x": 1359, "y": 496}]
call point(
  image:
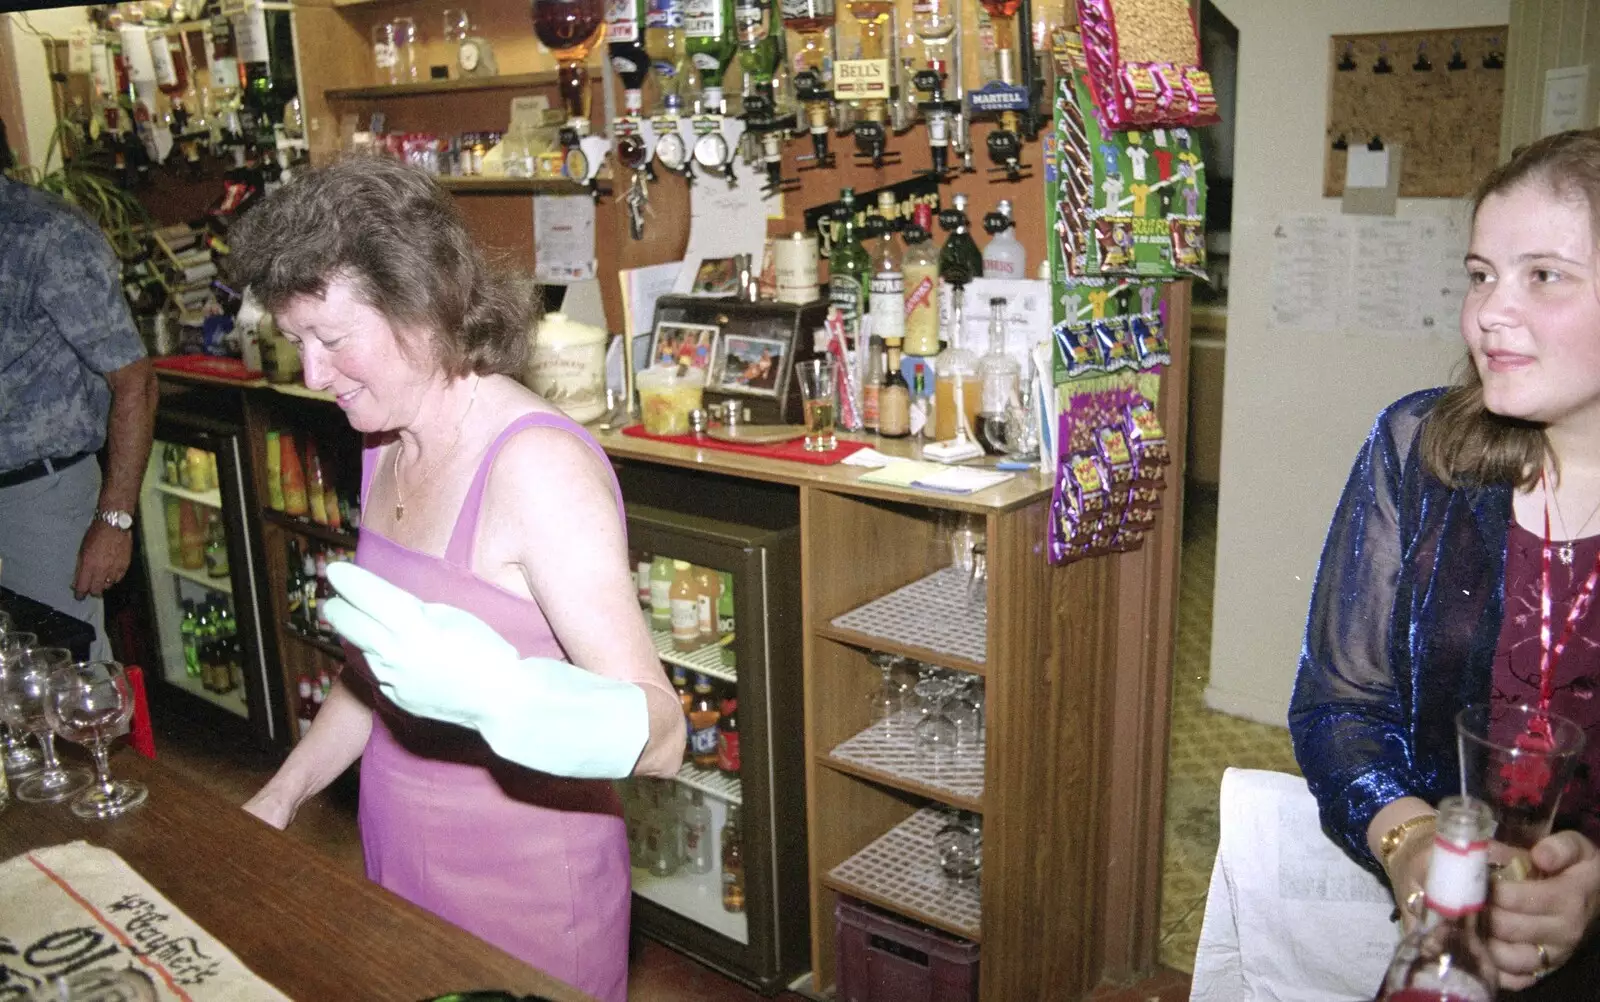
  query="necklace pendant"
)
[
  {"x": 400, "y": 512},
  {"x": 1564, "y": 552}
]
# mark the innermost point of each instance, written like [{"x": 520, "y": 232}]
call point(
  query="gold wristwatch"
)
[{"x": 1396, "y": 836}]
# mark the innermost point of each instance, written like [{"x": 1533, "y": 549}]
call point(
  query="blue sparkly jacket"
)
[{"x": 1404, "y": 622}]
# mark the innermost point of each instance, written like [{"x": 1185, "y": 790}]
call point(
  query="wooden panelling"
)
[
  {"x": 858, "y": 549},
  {"x": 1546, "y": 35},
  {"x": 1051, "y": 652}
]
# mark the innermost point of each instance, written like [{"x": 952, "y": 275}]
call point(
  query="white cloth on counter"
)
[{"x": 1289, "y": 917}]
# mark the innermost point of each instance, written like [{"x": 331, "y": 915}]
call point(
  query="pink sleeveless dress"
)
[{"x": 535, "y": 864}]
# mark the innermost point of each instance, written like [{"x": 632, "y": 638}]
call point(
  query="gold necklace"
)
[
  {"x": 1564, "y": 551},
  {"x": 399, "y": 498}
]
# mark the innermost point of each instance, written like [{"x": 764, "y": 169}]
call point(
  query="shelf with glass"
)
[
  {"x": 306, "y": 527},
  {"x": 233, "y": 700},
  {"x": 901, "y": 871},
  {"x": 200, "y": 577},
  {"x": 886, "y": 753},
  {"x": 933, "y": 620},
  {"x": 211, "y": 498}
]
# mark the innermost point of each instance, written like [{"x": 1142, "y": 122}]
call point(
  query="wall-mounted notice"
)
[{"x": 1368, "y": 276}]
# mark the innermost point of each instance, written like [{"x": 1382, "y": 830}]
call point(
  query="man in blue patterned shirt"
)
[{"x": 73, "y": 378}]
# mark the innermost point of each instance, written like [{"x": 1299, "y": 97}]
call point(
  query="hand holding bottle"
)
[{"x": 437, "y": 661}]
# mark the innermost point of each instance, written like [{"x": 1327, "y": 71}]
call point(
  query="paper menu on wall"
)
[
  {"x": 563, "y": 238},
  {"x": 1368, "y": 275},
  {"x": 1027, "y": 315}
]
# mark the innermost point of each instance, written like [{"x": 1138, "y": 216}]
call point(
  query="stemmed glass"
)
[
  {"x": 19, "y": 760},
  {"x": 90, "y": 703},
  {"x": 24, "y": 684},
  {"x": 886, "y": 701},
  {"x": 962, "y": 709}
]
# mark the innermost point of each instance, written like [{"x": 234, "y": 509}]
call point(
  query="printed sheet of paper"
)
[
  {"x": 75, "y": 907},
  {"x": 724, "y": 221},
  {"x": 1289, "y": 915},
  {"x": 1368, "y": 275},
  {"x": 563, "y": 238}
]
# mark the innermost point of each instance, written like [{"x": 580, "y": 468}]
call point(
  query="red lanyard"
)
[{"x": 1548, "y": 655}]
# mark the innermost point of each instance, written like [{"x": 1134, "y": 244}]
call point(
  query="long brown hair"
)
[{"x": 1463, "y": 443}]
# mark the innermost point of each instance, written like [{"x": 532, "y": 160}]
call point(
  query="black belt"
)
[{"x": 39, "y": 468}]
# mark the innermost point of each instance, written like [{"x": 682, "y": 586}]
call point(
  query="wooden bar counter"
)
[{"x": 312, "y": 929}]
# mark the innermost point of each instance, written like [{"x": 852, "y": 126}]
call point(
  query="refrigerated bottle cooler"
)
[{"x": 719, "y": 853}]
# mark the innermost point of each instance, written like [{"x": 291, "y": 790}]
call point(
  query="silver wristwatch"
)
[{"x": 116, "y": 519}]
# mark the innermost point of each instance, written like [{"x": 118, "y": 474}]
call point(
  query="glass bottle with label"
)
[
  {"x": 1001, "y": 379},
  {"x": 625, "y": 48},
  {"x": 848, "y": 267},
  {"x": 685, "y": 609},
  {"x": 810, "y": 20},
  {"x": 919, "y": 266},
  {"x": 216, "y": 548},
  {"x": 758, "y": 48},
  {"x": 698, "y": 853},
  {"x": 1004, "y": 256},
  {"x": 732, "y": 863},
  {"x": 872, "y": 20},
  {"x": 708, "y": 27},
  {"x": 959, "y": 261},
  {"x": 664, "y": 41},
  {"x": 872, "y": 385},
  {"x": 887, "y": 295},
  {"x": 703, "y": 718},
  {"x": 894, "y": 399},
  {"x": 725, "y": 620},
  {"x": 934, "y": 23},
  {"x": 707, "y": 592},
  {"x": 661, "y": 593},
  {"x": 728, "y": 758},
  {"x": 571, "y": 29}
]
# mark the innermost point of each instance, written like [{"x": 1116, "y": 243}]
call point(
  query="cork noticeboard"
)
[{"x": 1436, "y": 93}]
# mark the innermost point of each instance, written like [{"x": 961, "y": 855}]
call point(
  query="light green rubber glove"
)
[{"x": 437, "y": 661}]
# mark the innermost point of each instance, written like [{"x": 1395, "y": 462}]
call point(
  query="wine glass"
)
[
  {"x": 936, "y": 734},
  {"x": 24, "y": 683},
  {"x": 19, "y": 760},
  {"x": 885, "y": 701},
  {"x": 960, "y": 847},
  {"x": 90, "y": 703},
  {"x": 962, "y": 709}
]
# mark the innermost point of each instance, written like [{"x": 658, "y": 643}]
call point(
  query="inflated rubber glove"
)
[{"x": 437, "y": 661}]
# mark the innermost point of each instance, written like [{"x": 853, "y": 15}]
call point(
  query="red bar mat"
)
[
  {"x": 793, "y": 451},
  {"x": 207, "y": 365}
]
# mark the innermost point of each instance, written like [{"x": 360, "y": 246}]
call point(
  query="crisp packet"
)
[
  {"x": 1115, "y": 343},
  {"x": 1112, "y": 445},
  {"x": 1149, "y": 340},
  {"x": 1079, "y": 349},
  {"x": 1148, "y": 440}
]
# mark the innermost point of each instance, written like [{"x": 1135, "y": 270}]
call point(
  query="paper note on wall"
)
[
  {"x": 1368, "y": 275},
  {"x": 563, "y": 238}
]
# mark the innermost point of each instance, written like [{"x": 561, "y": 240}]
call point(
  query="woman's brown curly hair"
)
[{"x": 392, "y": 231}]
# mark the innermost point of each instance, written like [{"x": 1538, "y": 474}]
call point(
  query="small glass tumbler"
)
[
  {"x": 386, "y": 52},
  {"x": 819, "y": 396}
]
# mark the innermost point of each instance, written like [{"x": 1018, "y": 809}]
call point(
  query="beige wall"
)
[
  {"x": 1546, "y": 35},
  {"x": 1296, "y": 405},
  {"x": 28, "y": 79}
]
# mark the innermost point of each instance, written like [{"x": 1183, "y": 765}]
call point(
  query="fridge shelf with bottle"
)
[
  {"x": 233, "y": 700},
  {"x": 722, "y": 785},
  {"x": 696, "y": 895},
  {"x": 306, "y": 527},
  {"x": 901, "y": 871},
  {"x": 887, "y": 753},
  {"x": 707, "y": 660},
  {"x": 934, "y": 619},
  {"x": 211, "y": 498},
  {"x": 322, "y": 644},
  {"x": 201, "y": 578}
]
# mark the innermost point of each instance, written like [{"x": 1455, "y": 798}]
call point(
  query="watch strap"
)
[
  {"x": 116, "y": 518},
  {"x": 1397, "y": 836}
]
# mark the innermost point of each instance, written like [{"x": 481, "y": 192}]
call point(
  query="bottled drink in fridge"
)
[
  {"x": 725, "y": 619},
  {"x": 728, "y": 737},
  {"x": 309, "y": 613},
  {"x": 697, "y": 849},
  {"x": 216, "y": 554},
  {"x": 707, "y": 592},
  {"x": 732, "y": 863},
  {"x": 189, "y": 631},
  {"x": 703, "y": 717},
  {"x": 642, "y": 564},
  {"x": 685, "y": 608},
  {"x": 1444, "y": 959},
  {"x": 191, "y": 536},
  {"x": 172, "y": 508},
  {"x": 661, "y": 593},
  {"x": 662, "y": 842}
]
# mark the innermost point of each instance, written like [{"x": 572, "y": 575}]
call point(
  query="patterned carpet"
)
[{"x": 1203, "y": 744}]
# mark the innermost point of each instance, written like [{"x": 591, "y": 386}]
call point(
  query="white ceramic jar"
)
[{"x": 568, "y": 366}]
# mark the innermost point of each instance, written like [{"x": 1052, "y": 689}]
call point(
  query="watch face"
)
[
  {"x": 468, "y": 55},
  {"x": 711, "y": 150},
  {"x": 670, "y": 151}
]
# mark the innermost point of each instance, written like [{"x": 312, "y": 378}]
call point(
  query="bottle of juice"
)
[
  {"x": 696, "y": 818},
  {"x": 732, "y": 863},
  {"x": 216, "y": 551},
  {"x": 685, "y": 608},
  {"x": 191, "y": 536},
  {"x": 294, "y": 478},
  {"x": 641, "y": 573},
  {"x": 661, "y": 593},
  {"x": 174, "y": 530},
  {"x": 316, "y": 491},
  {"x": 725, "y": 621},
  {"x": 707, "y": 592},
  {"x": 274, "y": 471}
]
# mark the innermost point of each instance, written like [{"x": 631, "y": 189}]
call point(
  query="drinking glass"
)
[
  {"x": 885, "y": 701},
  {"x": 24, "y": 685},
  {"x": 978, "y": 577},
  {"x": 966, "y": 537},
  {"x": 17, "y": 759},
  {"x": 1517, "y": 759},
  {"x": 962, "y": 709},
  {"x": 457, "y": 24},
  {"x": 90, "y": 703},
  {"x": 101, "y": 984},
  {"x": 819, "y": 395},
  {"x": 960, "y": 847},
  {"x": 936, "y": 733},
  {"x": 406, "y": 42},
  {"x": 386, "y": 52}
]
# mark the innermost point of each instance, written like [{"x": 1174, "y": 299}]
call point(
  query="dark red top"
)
[{"x": 1516, "y": 659}]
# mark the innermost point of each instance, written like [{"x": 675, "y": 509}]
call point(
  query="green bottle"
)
[
  {"x": 758, "y": 44},
  {"x": 661, "y": 593},
  {"x": 708, "y": 25},
  {"x": 849, "y": 267},
  {"x": 960, "y": 261},
  {"x": 189, "y": 630}
]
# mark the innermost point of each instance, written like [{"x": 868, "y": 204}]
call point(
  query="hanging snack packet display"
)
[
  {"x": 1081, "y": 301},
  {"x": 1120, "y": 203},
  {"x": 1143, "y": 58},
  {"x": 1114, "y": 454}
]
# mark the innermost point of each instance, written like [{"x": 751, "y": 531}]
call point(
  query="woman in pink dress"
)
[{"x": 478, "y": 498}]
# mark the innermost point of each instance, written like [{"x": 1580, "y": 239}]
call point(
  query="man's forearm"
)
[{"x": 129, "y": 430}]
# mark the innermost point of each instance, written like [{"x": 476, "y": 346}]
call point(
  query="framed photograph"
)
[
  {"x": 752, "y": 366},
  {"x": 693, "y": 345},
  {"x": 716, "y": 276}
]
